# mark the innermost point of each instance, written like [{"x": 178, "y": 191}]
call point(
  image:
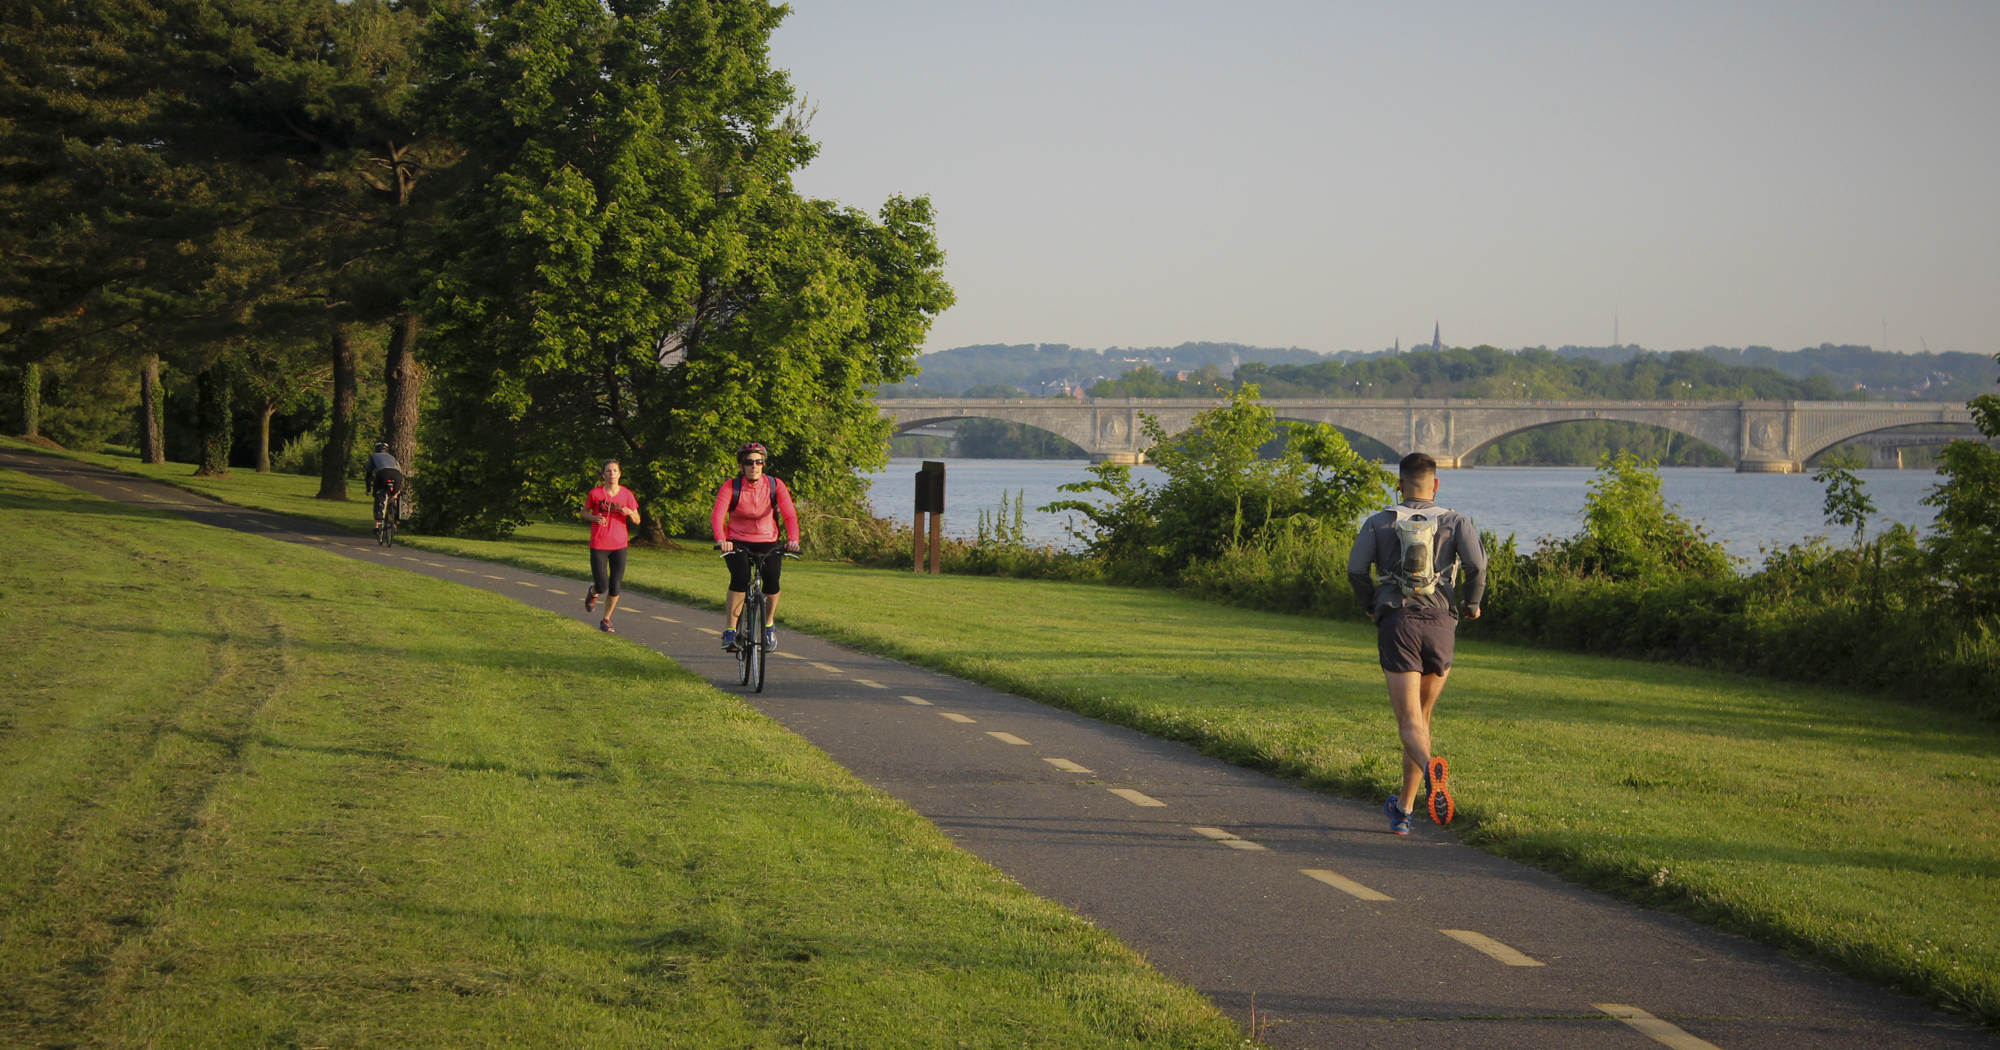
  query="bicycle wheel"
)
[
  {"x": 757, "y": 651},
  {"x": 746, "y": 649}
]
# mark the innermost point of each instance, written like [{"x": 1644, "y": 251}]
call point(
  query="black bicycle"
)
[
  {"x": 750, "y": 648},
  {"x": 392, "y": 513}
]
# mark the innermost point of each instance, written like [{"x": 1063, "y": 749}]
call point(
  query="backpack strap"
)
[{"x": 770, "y": 483}]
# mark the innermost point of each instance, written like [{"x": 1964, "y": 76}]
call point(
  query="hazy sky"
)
[{"x": 1335, "y": 176}]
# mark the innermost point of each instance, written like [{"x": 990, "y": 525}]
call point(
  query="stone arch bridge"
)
[{"x": 1762, "y": 436}]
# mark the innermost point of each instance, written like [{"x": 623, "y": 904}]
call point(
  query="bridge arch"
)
[
  {"x": 1472, "y": 452},
  {"x": 1065, "y": 427},
  {"x": 1826, "y": 430}
]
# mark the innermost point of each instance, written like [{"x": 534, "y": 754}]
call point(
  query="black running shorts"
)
[{"x": 1416, "y": 640}]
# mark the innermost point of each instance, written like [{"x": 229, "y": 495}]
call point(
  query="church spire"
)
[{"x": 1436, "y": 342}]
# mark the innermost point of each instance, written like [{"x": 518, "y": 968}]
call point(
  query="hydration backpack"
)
[
  {"x": 736, "y": 495},
  {"x": 1417, "y": 571}
]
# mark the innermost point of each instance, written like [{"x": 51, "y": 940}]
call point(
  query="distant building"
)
[{"x": 1437, "y": 341}]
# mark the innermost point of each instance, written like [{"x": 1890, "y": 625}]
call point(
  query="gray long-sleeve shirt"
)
[{"x": 1457, "y": 546}]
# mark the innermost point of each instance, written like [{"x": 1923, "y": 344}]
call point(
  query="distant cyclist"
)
[
  {"x": 612, "y": 510},
  {"x": 384, "y": 476},
  {"x": 1416, "y": 545},
  {"x": 745, "y": 520}
]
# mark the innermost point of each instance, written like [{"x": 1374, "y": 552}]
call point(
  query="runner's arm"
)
[
  {"x": 790, "y": 512},
  {"x": 1358, "y": 561},
  {"x": 1472, "y": 555},
  {"x": 718, "y": 519}
]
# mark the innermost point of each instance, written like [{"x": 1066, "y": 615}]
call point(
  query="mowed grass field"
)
[
  {"x": 253, "y": 795},
  {"x": 1850, "y": 828}
]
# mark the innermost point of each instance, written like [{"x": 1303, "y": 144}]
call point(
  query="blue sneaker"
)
[
  {"x": 1399, "y": 821},
  {"x": 770, "y": 637},
  {"x": 729, "y": 641}
]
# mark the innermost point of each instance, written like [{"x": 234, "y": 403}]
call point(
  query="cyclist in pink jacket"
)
[{"x": 745, "y": 521}]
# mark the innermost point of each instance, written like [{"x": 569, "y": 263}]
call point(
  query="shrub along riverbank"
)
[
  {"x": 1854, "y": 829},
  {"x": 255, "y": 794}
]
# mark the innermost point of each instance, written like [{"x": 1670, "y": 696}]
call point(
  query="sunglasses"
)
[{"x": 753, "y": 462}]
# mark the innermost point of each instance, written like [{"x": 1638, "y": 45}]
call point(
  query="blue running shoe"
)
[
  {"x": 1399, "y": 821},
  {"x": 729, "y": 640},
  {"x": 1442, "y": 808},
  {"x": 770, "y": 637}
]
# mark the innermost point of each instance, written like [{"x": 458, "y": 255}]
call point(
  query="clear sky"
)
[{"x": 1338, "y": 175}]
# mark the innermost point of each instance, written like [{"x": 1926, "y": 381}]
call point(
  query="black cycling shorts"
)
[
  {"x": 607, "y": 570},
  {"x": 739, "y": 565},
  {"x": 1416, "y": 640}
]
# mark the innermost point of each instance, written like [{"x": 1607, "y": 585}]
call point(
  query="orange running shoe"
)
[{"x": 1437, "y": 773}]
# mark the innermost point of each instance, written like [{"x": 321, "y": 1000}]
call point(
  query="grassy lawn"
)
[
  {"x": 1849, "y": 828},
  {"x": 252, "y": 794}
]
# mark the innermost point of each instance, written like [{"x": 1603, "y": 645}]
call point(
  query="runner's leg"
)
[
  {"x": 1413, "y": 724},
  {"x": 739, "y": 588},
  {"x": 617, "y": 579}
]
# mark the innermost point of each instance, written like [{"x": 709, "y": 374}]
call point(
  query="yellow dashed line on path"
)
[
  {"x": 1345, "y": 884},
  {"x": 918, "y": 700},
  {"x": 789, "y": 656},
  {"x": 828, "y": 668},
  {"x": 1652, "y": 1026},
  {"x": 668, "y": 619},
  {"x": 1227, "y": 839},
  {"x": 438, "y": 565},
  {"x": 1006, "y": 738},
  {"x": 469, "y": 570},
  {"x": 552, "y": 590},
  {"x": 1063, "y": 764},
  {"x": 955, "y": 716},
  {"x": 408, "y": 558},
  {"x": 490, "y": 576},
  {"x": 709, "y": 630},
  {"x": 1137, "y": 798},
  {"x": 1491, "y": 947},
  {"x": 870, "y": 683}
]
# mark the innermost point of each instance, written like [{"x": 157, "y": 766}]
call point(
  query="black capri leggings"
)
[
  {"x": 605, "y": 564},
  {"x": 739, "y": 566}
]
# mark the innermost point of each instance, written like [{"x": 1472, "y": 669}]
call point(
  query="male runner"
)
[
  {"x": 1417, "y": 545},
  {"x": 383, "y": 471}
]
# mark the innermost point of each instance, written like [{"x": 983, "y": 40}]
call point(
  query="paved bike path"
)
[{"x": 1228, "y": 880}]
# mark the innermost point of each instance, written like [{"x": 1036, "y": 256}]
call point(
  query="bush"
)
[{"x": 1220, "y": 501}]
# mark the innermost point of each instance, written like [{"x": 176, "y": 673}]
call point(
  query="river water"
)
[{"x": 1745, "y": 511}]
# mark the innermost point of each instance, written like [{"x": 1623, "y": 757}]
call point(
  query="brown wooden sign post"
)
[{"x": 930, "y": 500}]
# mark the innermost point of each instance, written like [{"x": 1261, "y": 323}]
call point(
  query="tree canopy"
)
[{"x": 630, "y": 274}]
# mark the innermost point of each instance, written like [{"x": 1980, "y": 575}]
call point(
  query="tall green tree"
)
[
  {"x": 629, "y": 272},
  {"x": 1965, "y": 547}
]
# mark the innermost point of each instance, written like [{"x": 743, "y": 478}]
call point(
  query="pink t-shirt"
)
[
  {"x": 754, "y": 520},
  {"x": 612, "y": 535}
]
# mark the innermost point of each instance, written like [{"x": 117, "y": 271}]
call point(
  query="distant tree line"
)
[{"x": 510, "y": 239}]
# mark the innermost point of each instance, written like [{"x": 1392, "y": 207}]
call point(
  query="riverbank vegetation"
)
[{"x": 256, "y": 794}]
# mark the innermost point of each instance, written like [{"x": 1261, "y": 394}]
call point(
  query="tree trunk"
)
[
  {"x": 339, "y": 451},
  {"x": 264, "y": 436},
  {"x": 212, "y": 419},
  {"x": 652, "y": 533},
  {"x": 31, "y": 400},
  {"x": 152, "y": 443},
  {"x": 402, "y": 378}
]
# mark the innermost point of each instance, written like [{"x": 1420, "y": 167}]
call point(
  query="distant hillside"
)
[
  {"x": 1049, "y": 368},
  {"x": 1823, "y": 372}
]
